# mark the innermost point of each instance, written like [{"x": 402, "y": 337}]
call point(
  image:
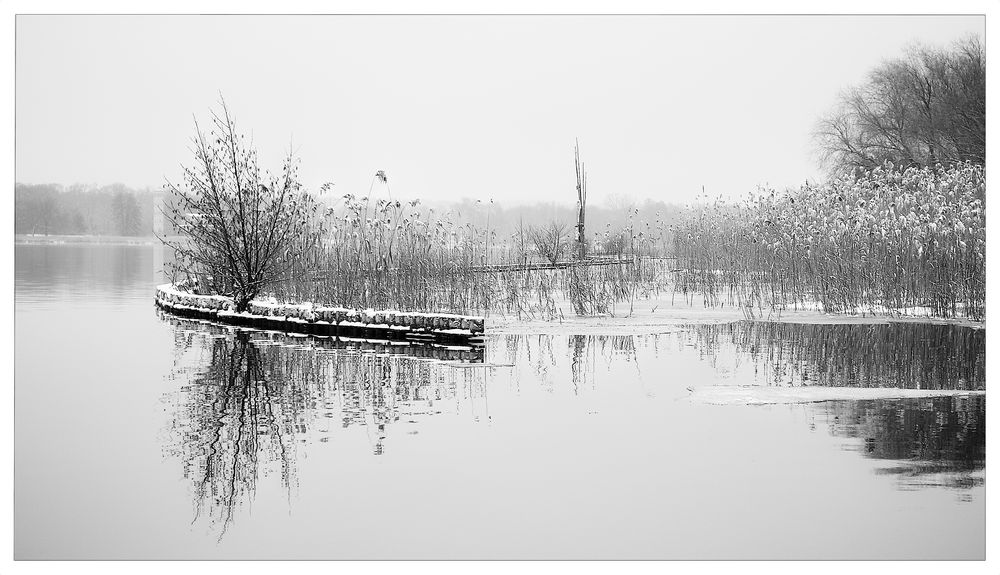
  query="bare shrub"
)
[
  {"x": 241, "y": 225},
  {"x": 550, "y": 240}
]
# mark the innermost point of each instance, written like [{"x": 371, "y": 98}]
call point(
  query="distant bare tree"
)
[
  {"x": 925, "y": 108},
  {"x": 550, "y": 240},
  {"x": 242, "y": 225}
]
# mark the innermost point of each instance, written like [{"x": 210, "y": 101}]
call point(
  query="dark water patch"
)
[
  {"x": 928, "y": 442},
  {"x": 947, "y": 432}
]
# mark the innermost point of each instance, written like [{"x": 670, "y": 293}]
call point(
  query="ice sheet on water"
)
[{"x": 763, "y": 395}]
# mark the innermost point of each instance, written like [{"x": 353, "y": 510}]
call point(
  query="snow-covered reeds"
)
[
  {"x": 390, "y": 254},
  {"x": 891, "y": 239}
]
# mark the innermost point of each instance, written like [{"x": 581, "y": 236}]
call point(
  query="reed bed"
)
[
  {"x": 385, "y": 254},
  {"x": 889, "y": 240}
]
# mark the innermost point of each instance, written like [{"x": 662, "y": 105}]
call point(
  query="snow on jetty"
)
[{"x": 312, "y": 319}]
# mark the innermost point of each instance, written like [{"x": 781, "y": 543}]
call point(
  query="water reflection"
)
[
  {"x": 930, "y": 442},
  {"x": 248, "y": 401},
  {"x": 53, "y": 273},
  {"x": 937, "y": 441},
  {"x": 896, "y": 355},
  {"x": 543, "y": 358}
]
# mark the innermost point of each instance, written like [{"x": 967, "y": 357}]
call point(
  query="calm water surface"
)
[{"x": 139, "y": 435}]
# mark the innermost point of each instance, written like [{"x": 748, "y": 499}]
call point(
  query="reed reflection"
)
[
  {"x": 897, "y": 355},
  {"x": 925, "y": 442},
  {"x": 545, "y": 357},
  {"x": 250, "y": 402}
]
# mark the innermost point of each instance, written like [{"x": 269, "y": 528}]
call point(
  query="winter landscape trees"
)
[{"x": 924, "y": 108}]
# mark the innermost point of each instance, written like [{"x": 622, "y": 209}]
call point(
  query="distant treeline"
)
[
  {"x": 112, "y": 210},
  {"x": 117, "y": 210}
]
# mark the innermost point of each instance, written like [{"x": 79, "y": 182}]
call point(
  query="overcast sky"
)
[{"x": 452, "y": 107}]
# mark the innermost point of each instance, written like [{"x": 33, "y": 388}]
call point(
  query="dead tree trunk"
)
[{"x": 581, "y": 204}]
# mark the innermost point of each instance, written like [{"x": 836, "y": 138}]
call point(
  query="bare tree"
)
[
  {"x": 241, "y": 224},
  {"x": 925, "y": 108},
  {"x": 581, "y": 204},
  {"x": 550, "y": 240}
]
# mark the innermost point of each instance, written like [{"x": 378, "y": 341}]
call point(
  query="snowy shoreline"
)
[{"x": 311, "y": 319}]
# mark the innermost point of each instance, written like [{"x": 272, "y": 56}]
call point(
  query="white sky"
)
[{"x": 453, "y": 106}]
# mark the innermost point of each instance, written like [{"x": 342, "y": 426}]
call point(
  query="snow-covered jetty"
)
[{"x": 313, "y": 319}]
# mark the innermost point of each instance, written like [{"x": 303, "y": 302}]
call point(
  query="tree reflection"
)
[
  {"x": 236, "y": 416},
  {"x": 249, "y": 401}
]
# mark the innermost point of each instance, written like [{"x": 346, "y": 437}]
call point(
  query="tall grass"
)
[
  {"x": 385, "y": 254},
  {"x": 890, "y": 239}
]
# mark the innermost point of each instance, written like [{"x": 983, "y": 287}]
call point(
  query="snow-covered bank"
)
[
  {"x": 310, "y": 318},
  {"x": 462, "y": 354},
  {"x": 762, "y": 395}
]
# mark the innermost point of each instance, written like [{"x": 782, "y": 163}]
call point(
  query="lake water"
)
[{"x": 142, "y": 436}]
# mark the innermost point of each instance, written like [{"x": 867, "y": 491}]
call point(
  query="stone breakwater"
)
[{"x": 312, "y": 319}]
